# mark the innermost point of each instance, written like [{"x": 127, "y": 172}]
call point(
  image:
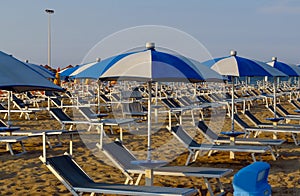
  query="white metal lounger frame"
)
[
  {"x": 93, "y": 187},
  {"x": 131, "y": 170},
  {"x": 194, "y": 148}
]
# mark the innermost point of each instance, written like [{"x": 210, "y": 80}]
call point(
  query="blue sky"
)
[{"x": 256, "y": 29}]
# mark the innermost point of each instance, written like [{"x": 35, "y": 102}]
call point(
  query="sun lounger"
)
[
  {"x": 194, "y": 147},
  {"x": 286, "y": 114},
  {"x": 273, "y": 130},
  {"x": 211, "y": 136},
  {"x": 258, "y": 123},
  {"x": 122, "y": 158},
  {"x": 134, "y": 109},
  {"x": 9, "y": 140},
  {"x": 64, "y": 119},
  {"x": 295, "y": 104},
  {"x": 78, "y": 182},
  {"x": 39, "y": 133},
  {"x": 175, "y": 109}
]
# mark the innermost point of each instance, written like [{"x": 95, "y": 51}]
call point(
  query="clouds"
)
[{"x": 282, "y": 7}]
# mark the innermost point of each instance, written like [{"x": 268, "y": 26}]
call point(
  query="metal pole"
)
[
  {"x": 274, "y": 89},
  {"x": 49, "y": 40},
  {"x": 49, "y": 12},
  {"x": 149, "y": 123},
  {"x": 232, "y": 104}
]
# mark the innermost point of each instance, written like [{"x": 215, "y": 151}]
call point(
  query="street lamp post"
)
[{"x": 49, "y": 12}]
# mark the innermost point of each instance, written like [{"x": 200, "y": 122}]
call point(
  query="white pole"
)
[
  {"x": 232, "y": 104},
  {"x": 8, "y": 105},
  {"x": 274, "y": 89},
  {"x": 49, "y": 12},
  {"x": 149, "y": 123}
]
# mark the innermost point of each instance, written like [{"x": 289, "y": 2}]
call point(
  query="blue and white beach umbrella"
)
[
  {"x": 67, "y": 72},
  {"x": 149, "y": 66},
  {"x": 288, "y": 69},
  {"x": 236, "y": 66},
  {"x": 84, "y": 70}
]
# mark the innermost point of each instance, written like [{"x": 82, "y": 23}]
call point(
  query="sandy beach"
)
[{"x": 26, "y": 175}]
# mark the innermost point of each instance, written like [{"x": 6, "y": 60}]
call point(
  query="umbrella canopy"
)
[
  {"x": 67, "y": 72},
  {"x": 236, "y": 66},
  {"x": 149, "y": 65},
  {"x": 84, "y": 70},
  {"x": 290, "y": 70},
  {"x": 18, "y": 77},
  {"x": 41, "y": 70}
]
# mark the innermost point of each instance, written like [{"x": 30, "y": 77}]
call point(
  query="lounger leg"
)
[
  {"x": 170, "y": 123},
  {"x": 207, "y": 183},
  {"x": 9, "y": 148},
  {"x": 196, "y": 155},
  {"x": 22, "y": 146},
  {"x": 276, "y": 151},
  {"x": 253, "y": 157},
  {"x": 193, "y": 119},
  {"x": 48, "y": 142},
  {"x": 294, "y": 136},
  {"x": 220, "y": 185},
  {"x": 137, "y": 182},
  {"x": 189, "y": 158},
  {"x": 272, "y": 153}
]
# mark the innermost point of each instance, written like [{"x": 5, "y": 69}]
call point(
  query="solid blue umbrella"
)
[
  {"x": 17, "y": 76},
  {"x": 236, "y": 66},
  {"x": 41, "y": 70}
]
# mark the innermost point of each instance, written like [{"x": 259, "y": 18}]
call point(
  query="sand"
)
[{"x": 26, "y": 175}]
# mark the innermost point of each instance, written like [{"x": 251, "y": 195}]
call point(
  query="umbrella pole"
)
[
  {"x": 232, "y": 104},
  {"x": 274, "y": 95},
  {"x": 149, "y": 171},
  {"x": 8, "y": 105},
  {"x": 149, "y": 123}
]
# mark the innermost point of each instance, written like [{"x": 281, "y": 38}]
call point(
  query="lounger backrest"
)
[
  {"x": 271, "y": 108},
  {"x": 105, "y": 98},
  {"x": 69, "y": 170},
  {"x": 240, "y": 122},
  {"x": 187, "y": 100},
  {"x": 133, "y": 107},
  {"x": 18, "y": 101},
  {"x": 183, "y": 136},
  {"x": 282, "y": 109},
  {"x": 183, "y": 102},
  {"x": 120, "y": 155},
  {"x": 203, "y": 99},
  {"x": 207, "y": 132},
  {"x": 2, "y": 107},
  {"x": 174, "y": 102},
  {"x": 252, "y": 118},
  {"x": 168, "y": 103},
  {"x": 56, "y": 100},
  {"x": 59, "y": 114},
  {"x": 86, "y": 111},
  {"x": 295, "y": 104},
  {"x": 2, "y": 124},
  {"x": 116, "y": 97},
  {"x": 49, "y": 93}
]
